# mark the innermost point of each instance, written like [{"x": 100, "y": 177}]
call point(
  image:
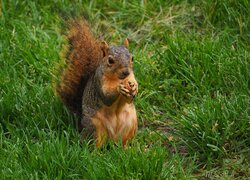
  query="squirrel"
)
[{"x": 98, "y": 85}]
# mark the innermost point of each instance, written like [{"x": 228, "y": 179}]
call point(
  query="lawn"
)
[{"x": 192, "y": 62}]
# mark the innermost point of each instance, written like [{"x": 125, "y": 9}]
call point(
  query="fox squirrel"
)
[{"x": 98, "y": 84}]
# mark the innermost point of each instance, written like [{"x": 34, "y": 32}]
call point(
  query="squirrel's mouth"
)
[
  {"x": 122, "y": 77},
  {"x": 123, "y": 74}
]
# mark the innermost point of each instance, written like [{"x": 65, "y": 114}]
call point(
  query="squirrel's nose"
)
[{"x": 125, "y": 73}]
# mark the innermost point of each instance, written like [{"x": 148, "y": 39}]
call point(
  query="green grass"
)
[{"x": 192, "y": 62}]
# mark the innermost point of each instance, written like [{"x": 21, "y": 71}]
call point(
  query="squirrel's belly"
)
[
  {"x": 118, "y": 124},
  {"x": 127, "y": 120}
]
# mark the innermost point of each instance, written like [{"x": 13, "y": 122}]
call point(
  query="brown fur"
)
[
  {"x": 81, "y": 56},
  {"x": 99, "y": 85},
  {"x": 118, "y": 121}
]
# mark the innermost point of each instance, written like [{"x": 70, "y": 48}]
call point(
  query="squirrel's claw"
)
[
  {"x": 134, "y": 88},
  {"x": 124, "y": 91},
  {"x": 130, "y": 90}
]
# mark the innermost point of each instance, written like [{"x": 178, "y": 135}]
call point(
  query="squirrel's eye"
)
[
  {"x": 132, "y": 59},
  {"x": 110, "y": 61}
]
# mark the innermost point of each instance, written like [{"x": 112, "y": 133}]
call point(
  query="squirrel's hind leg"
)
[
  {"x": 128, "y": 136},
  {"x": 100, "y": 132}
]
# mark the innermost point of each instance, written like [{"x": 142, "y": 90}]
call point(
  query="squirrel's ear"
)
[
  {"x": 126, "y": 43},
  {"x": 104, "y": 48}
]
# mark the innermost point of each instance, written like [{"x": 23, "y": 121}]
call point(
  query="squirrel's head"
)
[{"x": 117, "y": 60}]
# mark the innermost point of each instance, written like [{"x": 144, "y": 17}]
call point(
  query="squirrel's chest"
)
[{"x": 116, "y": 119}]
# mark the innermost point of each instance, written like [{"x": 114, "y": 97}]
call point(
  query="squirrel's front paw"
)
[
  {"x": 129, "y": 89},
  {"x": 133, "y": 88}
]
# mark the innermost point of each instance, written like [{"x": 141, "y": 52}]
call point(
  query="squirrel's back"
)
[{"x": 82, "y": 56}]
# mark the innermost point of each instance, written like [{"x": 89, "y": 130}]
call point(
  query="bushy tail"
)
[{"x": 81, "y": 56}]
